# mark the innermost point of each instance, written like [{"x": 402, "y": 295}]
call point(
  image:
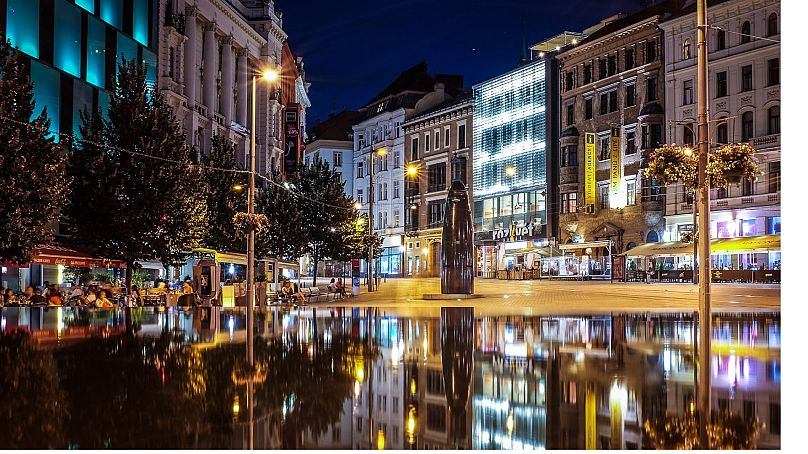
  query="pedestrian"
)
[
  {"x": 9, "y": 296},
  {"x": 649, "y": 273},
  {"x": 340, "y": 288},
  {"x": 102, "y": 300}
]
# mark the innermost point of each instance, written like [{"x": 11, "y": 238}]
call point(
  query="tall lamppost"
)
[
  {"x": 705, "y": 311},
  {"x": 410, "y": 193},
  {"x": 380, "y": 152},
  {"x": 268, "y": 75}
]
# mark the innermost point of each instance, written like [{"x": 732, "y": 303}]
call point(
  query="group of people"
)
[
  {"x": 291, "y": 292},
  {"x": 52, "y": 295}
]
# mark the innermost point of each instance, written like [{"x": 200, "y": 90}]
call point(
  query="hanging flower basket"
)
[
  {"x": 244, "y": 222},
  {"x": 731, "y": 163},
  {"x": 671, "y": 164}
]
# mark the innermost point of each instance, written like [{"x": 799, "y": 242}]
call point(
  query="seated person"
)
[
  {"x": 331, "y": 285},
  {"x": 77, "y": 292},
  {"x": 340, "y": 287},
  {"x": 54, "y": 300},
  {"x": 288, "y": 292},
  {"x": 37, "y": 299},
  {"x": 186, "y": 287},
  {"x": 102, "y": 300}
]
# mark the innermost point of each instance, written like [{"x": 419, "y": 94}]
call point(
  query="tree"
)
[
  {"x": 359, "y": 238},
  {"x": 330, "y": 214},
  {"x": 285, "y": 238},
  {"x": 34, "y": 182},
  {"x": 223, "y": 200},
  {"x": 134, "y": 195}
]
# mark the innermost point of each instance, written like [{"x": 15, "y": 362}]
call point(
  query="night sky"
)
[{"x": 353, "y": 48}]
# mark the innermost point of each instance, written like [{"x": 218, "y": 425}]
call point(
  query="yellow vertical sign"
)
[
  {"x": 616, "y": 169},
  {"x": 591, "y": 418},
  {"x": 589, "y": 175}
]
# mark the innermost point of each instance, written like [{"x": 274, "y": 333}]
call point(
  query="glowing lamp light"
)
[
  {"x": 332, "y": 229},
  {"x": 413, "y": 207},
  {"x": 424, "y": 250},
  {"x": 510, "y": 171},
  {"x": 413, "y": 387},
  {"x": 509, "y": 423},
  {"x": 381, "y": 151},
  {"x": 412, "y": 170},
  {"x": 360, "y": 221},
  {"x": 380, "y": 440},
  {"x": 360, "y": 374},
  {"x": 356, "y": 388},
  {"x": 411, "y": 422},
  {"x": 574, "y": 41},
  {"x": 236, "y": 406},
  {"x": 231, "y": 269},
  {"x": 269, "y": 74},
  {"x": 237, "y": 187},
  {"x": 687, "y": 151},
  {"x": 357, "y": 205}
]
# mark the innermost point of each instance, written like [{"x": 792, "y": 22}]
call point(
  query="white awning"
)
[{"x": 592, "y": 244}]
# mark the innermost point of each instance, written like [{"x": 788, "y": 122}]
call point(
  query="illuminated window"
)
[
  {"x": 96, "y": 46},
  {"x": 46, "y": 94},
  {"x": 140, "y": 21},
  {"x": 112, "y": 12},
  {"x": 22, "y": 25},
  {"x": 67, "y": 38}
]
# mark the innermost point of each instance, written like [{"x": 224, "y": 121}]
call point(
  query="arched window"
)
[
  {"x": 747, "y": 126},
  {"x": 652, "y": 237},
  {"x": 774, "y": 120},
  {"x": 772, "y": 24},
  {"x": 721, "y": 133},
  {"x": 686, "y": 49},
  {"x": 746, "y": 32}
]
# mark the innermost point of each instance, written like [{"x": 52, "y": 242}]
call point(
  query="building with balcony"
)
[
  {"x": 209, "y": 51},
  {"x": 744, "y": 106},
  {"x": 437, "y": 152},
  {"x": 612, "y": 117},
  {"x": 380, "y": 128},
  {"x": 514, "y": 134}
]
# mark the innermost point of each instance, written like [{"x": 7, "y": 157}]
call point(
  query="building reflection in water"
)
[{"x": 346, "y": 378}]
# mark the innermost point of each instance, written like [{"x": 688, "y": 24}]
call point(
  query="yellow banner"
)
[
  {"x": 615, "y": 169},
  {"x": 589, "y": 176},
  {"x": 591, "y": 418}
]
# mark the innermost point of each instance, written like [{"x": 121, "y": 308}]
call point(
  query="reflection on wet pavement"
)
[{"x": 365, "y": 378}]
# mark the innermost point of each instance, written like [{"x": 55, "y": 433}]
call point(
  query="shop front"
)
[
  {"x": 511, "y": 253},
  {"x": 390, "y": 263},
  {"x": 589, "y": 260}
]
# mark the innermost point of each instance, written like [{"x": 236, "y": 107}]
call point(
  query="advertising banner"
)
[
  {"x": 616, "y": 168},
  {"x": 589, "y": 176},
  {"x": 292, "y": 140}
]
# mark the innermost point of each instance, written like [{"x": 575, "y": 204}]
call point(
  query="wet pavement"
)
[{"x": 370, "y": 377}]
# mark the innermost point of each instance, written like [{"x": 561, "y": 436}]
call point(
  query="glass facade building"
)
[
  {"x": 513, "y": 135},
  {"x": 72, "y": 49}
]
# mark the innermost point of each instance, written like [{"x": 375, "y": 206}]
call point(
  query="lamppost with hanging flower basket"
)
[{"x": 729, "y": 164}]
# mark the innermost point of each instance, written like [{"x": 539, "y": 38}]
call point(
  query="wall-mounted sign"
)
[
  {"x": 589, "y": 175},
  {"x": 615, "y": 169},
  {"x": 515, "y": 233},
  {"x": 291, "y": 140}
]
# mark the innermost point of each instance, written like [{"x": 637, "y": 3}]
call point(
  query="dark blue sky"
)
[{"x": 353, "y": 48}]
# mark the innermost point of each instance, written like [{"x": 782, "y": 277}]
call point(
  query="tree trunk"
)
[
  {"x": 316, "y": 260},
  {"x": 129, "y": 272}
]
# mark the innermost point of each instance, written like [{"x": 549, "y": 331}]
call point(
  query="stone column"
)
[
  {"x": 210, "y": 67},
  {"x": 241, "y": 88},
  {"x": 227, "y": 80},
  {"x": 189, "y": 67}
]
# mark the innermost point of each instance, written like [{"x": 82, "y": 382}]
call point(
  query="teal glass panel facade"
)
[
  {"x": 140, "y": 21},
  {"x": 46, "y": 94},
  {"x": 96, "y": 51},
  {"x": 103, "y": 104},
  {"x": 112, "y": 12},
  {"x": 82, "y": 101},
  {"x": 88, "y": 5},
  {"x": 67, "y": 38},
  {"x": 127, "y": 49},
  {"x": 22, "y": 25},
  {"x": 150, "y": 61}
]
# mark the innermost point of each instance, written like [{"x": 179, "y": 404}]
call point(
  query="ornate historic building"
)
[
  {"x": 744, "y": 106},
  {"x": 612, "y": 91},
  {"x": 439, "y": 151},
  {"x": 209, "y": 50}
]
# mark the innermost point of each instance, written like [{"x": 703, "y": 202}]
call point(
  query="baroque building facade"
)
[
  {"x": 209, "y": 51},
  {"x": 744, "y": 106},
  {"x": 612, "y": 92}
]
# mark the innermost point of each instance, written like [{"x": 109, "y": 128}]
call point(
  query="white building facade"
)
[
  {"x": 209, "y": 49},
  {"x": 382, "y": 131},
  {"x": 744, "y": 106}
]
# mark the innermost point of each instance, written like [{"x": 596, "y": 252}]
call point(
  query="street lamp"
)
[
  {"x": 380, "y": 152},
  {"x": 510, "y": 171},
  {"x": 270, "y": 75}
]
